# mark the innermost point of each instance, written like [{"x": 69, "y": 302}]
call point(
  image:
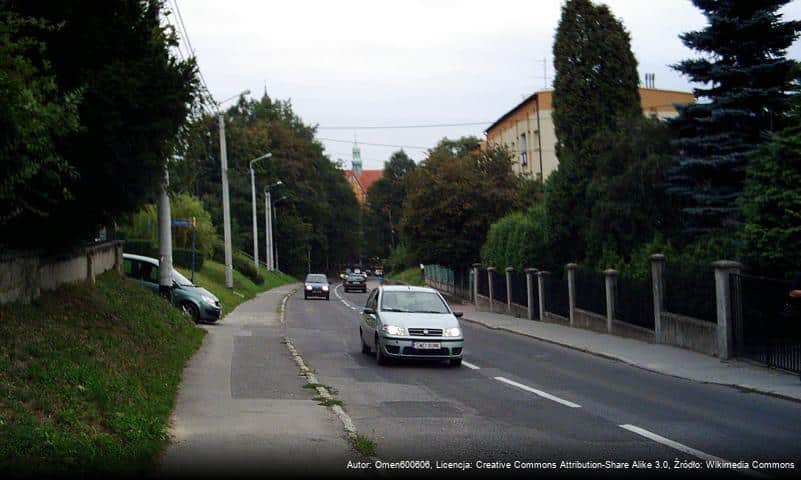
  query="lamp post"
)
[
  {"x": 268, "y": 225},
  {"x": 275, "y": 215},
  {"x": 229, "y": 268},
  {"x": 253, "y": 198}
]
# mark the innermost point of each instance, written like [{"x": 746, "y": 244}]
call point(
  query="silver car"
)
[{"x": 410, "y": 322}]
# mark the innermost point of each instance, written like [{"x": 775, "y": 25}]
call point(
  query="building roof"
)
[
  {"x": 366, "y": 178},
  {"x": 652, "y": 99},
  {"x": 516, "y": 107}
]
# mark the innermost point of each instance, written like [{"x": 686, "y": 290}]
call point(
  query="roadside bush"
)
[
  {"x": 399, "y": 259},
  {"x": 519, "y": 240},
  {"x": 183, "y": 258}
]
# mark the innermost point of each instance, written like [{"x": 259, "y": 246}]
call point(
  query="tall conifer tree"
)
[
  {"x": 595, "y": 93},
  {"x": 745, "y": 81}
]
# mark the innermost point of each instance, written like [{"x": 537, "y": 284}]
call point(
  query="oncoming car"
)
[
  {"x": 410, "y": 322},
  {"x": 316, "y": 285},
  {"x": 355, "y": 281}
]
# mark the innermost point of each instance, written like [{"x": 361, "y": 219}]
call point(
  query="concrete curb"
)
[
  {"x": 347, "y": 422},
  {"x": 626, "y": 361}
]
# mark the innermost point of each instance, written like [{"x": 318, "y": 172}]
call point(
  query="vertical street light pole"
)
[
  {"x": 275, "y": 215},
  {"x": 268, "y": 231},
  {"x": 229, "y": 268},
  {"x": 253, "y": 199}
]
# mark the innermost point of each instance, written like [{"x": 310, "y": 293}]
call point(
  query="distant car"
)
[
  {"x": 316, "y": 285},
  {"x": 355, "y": 281},
  {"x": 195, "y": 301},
  {"x": 378, "y": 272},
  {"x": 410, "y": 322}
]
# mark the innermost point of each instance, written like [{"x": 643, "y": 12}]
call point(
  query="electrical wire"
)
[
  {"x": 393, "y": 127},
  {"x": 373, "y": 144}
]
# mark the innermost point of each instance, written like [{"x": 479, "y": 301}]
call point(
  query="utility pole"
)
[
  {"x": 268, "y": 230},
  {"x": 253, "y": 199},
  {"x": 229, "y": 268},
  {"x": 165, "y": 238}
]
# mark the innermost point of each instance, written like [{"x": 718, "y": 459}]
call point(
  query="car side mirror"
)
[
  {"x": 368, "y": 311},
  {"x": 458, "y": 314}
]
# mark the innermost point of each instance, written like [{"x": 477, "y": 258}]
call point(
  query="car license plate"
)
[{"x": 426, "y": 346}]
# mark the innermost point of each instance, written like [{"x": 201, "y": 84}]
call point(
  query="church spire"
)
[{"x": 357, "y": 158}]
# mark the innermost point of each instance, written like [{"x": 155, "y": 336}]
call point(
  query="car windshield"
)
[
  {"x": 180, "y": 279},
  {"x": 356, "y": 277},
  {"x": 316, "y": 278},
  {"x": 413, "y": 302}
]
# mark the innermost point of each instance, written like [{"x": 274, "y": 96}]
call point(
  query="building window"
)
[{"x": 523, "y": 149}]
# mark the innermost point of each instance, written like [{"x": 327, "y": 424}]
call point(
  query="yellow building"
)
[{"x": 527, "y": 130}]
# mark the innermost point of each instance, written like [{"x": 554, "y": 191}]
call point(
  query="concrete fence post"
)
[
  {"x": 658, "y": 286},
  {"x": 530, "y": 272},
  {"x": 541, "y": 276},
  {"x": 571, "y": 292},
  {"x": 90, "y": 266},
  {"x": 476, "y": 267},
  {"x": 610, "y": 281},
  {"x": 723, "y": 269},
  {"x": 490, "y": 270},
  {"x": 509, "y": 271}
]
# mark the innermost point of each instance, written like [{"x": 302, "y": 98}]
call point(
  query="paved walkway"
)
[
  {"x": 241, "y": 408},
  {"x": 665, "y": 359}
]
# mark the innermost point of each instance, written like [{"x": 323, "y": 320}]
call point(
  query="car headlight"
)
[
  {"x": 394, "y": 330},
  {"x": 452, "y": 332},
  {"x": 308, "y": 287},
  {"x": 325, "y": 288},
  {"x": 209, "y": 300}
]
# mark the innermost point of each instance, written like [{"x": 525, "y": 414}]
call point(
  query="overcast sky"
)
[{"x": 379, "y": 63}]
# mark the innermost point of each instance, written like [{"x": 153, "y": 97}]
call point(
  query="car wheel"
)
[
  {"x": 380, "y": 358},
  {"x": 305, "y": 297},
  {"x": 190, "y": 309},
  {"x": 365, "y": 348},
  {"x": 456, "y": 362},
  {"x": 327, "y": 297}
]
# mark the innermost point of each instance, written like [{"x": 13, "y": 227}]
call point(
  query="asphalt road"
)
[{"x": 520, "y": 399}]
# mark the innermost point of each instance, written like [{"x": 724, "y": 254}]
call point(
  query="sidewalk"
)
[
  {"x": 241, "y": 408},
  {"x": 664, "y": 359}
]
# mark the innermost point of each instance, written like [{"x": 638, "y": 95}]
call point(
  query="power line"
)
[
  {"x": 390, "y": 127},
  {"x": 373, "y": 144}
]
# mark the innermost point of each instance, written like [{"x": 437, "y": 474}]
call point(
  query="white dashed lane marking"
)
[
  {"x": 470, "y": 365},
  {"x": 538, "y": 392}
]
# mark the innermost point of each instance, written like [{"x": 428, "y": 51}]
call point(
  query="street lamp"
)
[
  {"x": 229, "y": 268},
  {"x": 268, "y": 225},
  {"x": 253, "y": 198},
  {"x": 274, "y": 214}
]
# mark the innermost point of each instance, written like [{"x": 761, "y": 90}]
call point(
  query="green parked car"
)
[{"x": 195, "y": 301}]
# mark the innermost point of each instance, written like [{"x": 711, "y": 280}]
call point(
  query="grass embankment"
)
[
  {"x": 212, "y": 278},
  {"x": 88, "y": 378},
  {"x": 412, "y": 276}
]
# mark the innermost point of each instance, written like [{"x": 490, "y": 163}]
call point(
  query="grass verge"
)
[
  {"x": 411, "y": 276},
  {"x": 364, "y": 445},
  {"x": 88, "y": 378},
  {"x": 212, "y": 278}
]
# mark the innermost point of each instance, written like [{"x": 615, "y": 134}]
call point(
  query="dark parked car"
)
[
  {"x": 195, "y": 301},
  {"x": 355, "y": 281},
  {"x": 316, "y": 286}
]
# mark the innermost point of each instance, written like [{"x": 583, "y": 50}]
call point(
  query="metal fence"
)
[
  {"x": 590, "y": 291},
  {"x": 634, "y": 302},
  {"x": 557, "y": 296},
  {"x": 691, "y": 295},
  {"x": 767, "y": 328},
  {"x": 499, "y": 286},
  {"x": 519, "y": 288}
]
